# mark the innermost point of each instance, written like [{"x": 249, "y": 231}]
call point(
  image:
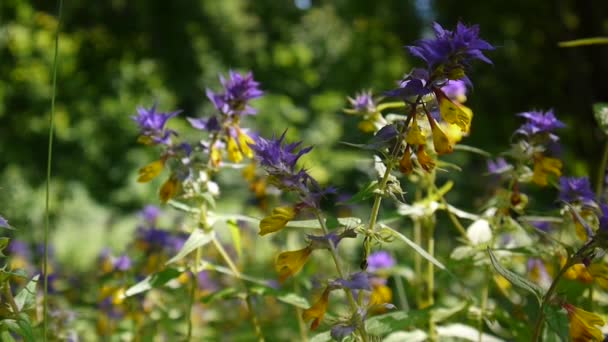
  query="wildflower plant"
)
[{"x": 513, "y": 269}]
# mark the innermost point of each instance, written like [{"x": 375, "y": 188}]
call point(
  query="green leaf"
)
[
  {"x": 197, "y": 239},
  {"x": 26, "y": 298},
  {"x": 153, "y": 281},
  {"x": 225, "y": 293},
  {"x": 3, "y": 243},
  {"x": 600, "y": 111},
  {"x": 400, "y": 320},
  {"x": 314, "y": 224},
  {"x": 516, "y": 279},
  {"x": 557, "y": 320},
  {"x": 583, "y": 42},
  {"x": 6, "y": 337},
  {"x": 25, "y": 327},
  {"x": 235, "y": 232},
  {"x": 322, "y": 337},
  {"x": 467, "y": 148},
  {"x": 415, "y": 247},
  {"x": 295, "y": 300},
  {"x": 363, "y": 194}
]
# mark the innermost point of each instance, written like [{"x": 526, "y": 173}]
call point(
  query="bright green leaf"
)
[
  {"x": 153, "y": 281},
  {"x": 516, "y": 279},
  {"x": 197, "y": 239},
  {"x": 235, "y": 232},
  {"x": 26, "y": 298},
  {"x": 557, "y": 320},
  {"x": 415, "y": 247}
]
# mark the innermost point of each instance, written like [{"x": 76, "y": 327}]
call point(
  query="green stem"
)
[
  {"x": 45, "y": 304},
  {"x": 334, "y": 255},
  {"x": 237, "y": 274},
  {"x": 192, "y": 296},
  {"x": 484, "y": 304},
  {"x": 11, "y": 300},
  {"x": 541, "y": 315},
  {"x": 431, "y": 283},
  {"x": 301, "y": 324},
  {"x": 601, "y": 172}
]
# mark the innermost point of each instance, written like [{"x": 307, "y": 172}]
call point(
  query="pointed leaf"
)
[
  {"x": 516, "y": 279},
  {"x": 415, "y": 247},
  {"x": 235, "y": 232},
  {"x": 197, "y": 239},
  {"x": 26, "y": 298},
  {"x": 557, "y": 320},
  {"x": 153, "y": 281}
]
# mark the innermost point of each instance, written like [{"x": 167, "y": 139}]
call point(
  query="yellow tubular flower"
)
[
  {"x": 543, "y": 166},
  {"x": 599, "y": 272},
  {"x": 415, "y": 135},
  {"x": 579, "y": 272},
  {"x": 366, "y": 126},
  {"x": 317, "y": 310},
  {"x": 150, "y": 171},
  {"x": 291, "y": 262},
  {"x": 169, "y": 189},
  {"x": 244, "y": 142},
  {"x": 425, "y": 161},
  {"x": 249, "y": 172},
  {"x": 405, "y": 164},
  {"x": 381, "y": 294},
  {"x": 584, "y": 325},
  {"x": 234, "y": 152},
  {"x": 277, "y": 220},
  {"x": 441, "y": 142},
  {"x": 455, "y": 113},
  {"x": 216, "y": 156}
]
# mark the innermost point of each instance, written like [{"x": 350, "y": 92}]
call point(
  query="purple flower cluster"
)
[
  {"x": 238, "y": 90},
  {"x": 161, "y": 239},
  {"x": 279, "y": 159},
  {"x": 379, "y": 260},
  {"x": 539, "y": 123},
  {"x": 576, "y": 189},
  {"x": 152, "y": 125},
  {"x": 447, "y": 56},
  {"x": 453, "y": 48},
  {"x": 363, "y": 103}
]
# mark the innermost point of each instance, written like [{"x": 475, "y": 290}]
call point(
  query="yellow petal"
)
[
  {"x": 150, "y": 171},
  {"x": 543, "y": 166},
  {"x": 317, "y": 310},
  {"x": 169, "y": 189},
  {"x": 599, "y": 272},
  {"x": 405, "y": 164},
  {"x": 584, "y": 325},
  {"x": 277, "y": 220},
  {"x": 367, "y": 126},
  {"x": 290, "y": 263},
  {"x": 249, "y": 172},
  {"x": 234, "y": 153},
  {"x": 440, "y": 140},
  {"x": 244, "y": 142},
  {"x": 425, "y": 161},
  {"x": 415, "y": 135},
  {"x": 381, "y": 294},
  {"x": 215, "y": 156},
  {"x": 455, "y": 113}
]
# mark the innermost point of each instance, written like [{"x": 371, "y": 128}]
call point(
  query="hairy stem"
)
[
  {"x": 237, "y": 274},
  {"x": 45, "y": 304},
  {"x": 541, "y": 315},
  {"x": 334, "y": 255}
]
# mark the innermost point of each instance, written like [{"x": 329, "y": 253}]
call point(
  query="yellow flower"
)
[
  {"x": 215, "y": 156},
  {"x": 169, "y": 189},
  {"x": 577, "y": 272},
  {"x": 599, "y": 272},
  {"x": 291, "y": 262},
  {"x": 543, "y": 166},
  {"x": 249, "y": 172},
  {"x": 415, "y": 135},
  {"x": 455, "y": 113},
  {"x": 367, "y": 126},
  {"x": 441, "y": 142},
  {"x": 584, "y": 324},
  {"x": 405, "y": 164},
  {"x": 277, "y": 220},
  {"x": 425, "y": 161},
  {"x": 234, "y": 152},
  {"x": 453, "y": 132},
  {"x": 381, "y": 294},
  {"x": 118, "y": 296},
  {"x": 145, "y": 140},
  {"x": 150, "y": 171},
  {"x": 317, "y": 310},
  {"x": 244, "y": 142}
]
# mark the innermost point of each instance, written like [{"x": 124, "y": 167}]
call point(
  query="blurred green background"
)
[{"x": 308, "y": 55}]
